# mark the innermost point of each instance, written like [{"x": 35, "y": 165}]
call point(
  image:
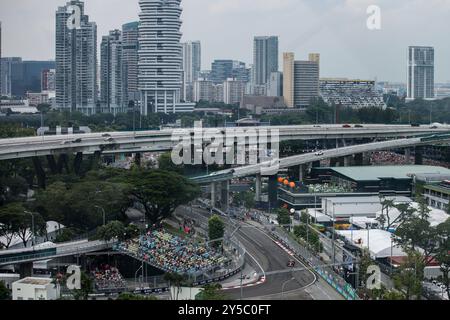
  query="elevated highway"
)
[
  {"x": 152, "y": 141},
  {"x": 271, "y": 167}
]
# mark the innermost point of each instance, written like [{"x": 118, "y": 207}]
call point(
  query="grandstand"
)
[{"x": 354, "y": 94}]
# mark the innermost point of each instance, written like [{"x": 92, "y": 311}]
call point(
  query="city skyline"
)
[{"x": 368, "y": 54}]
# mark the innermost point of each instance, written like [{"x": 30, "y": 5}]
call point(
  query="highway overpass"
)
[
  {"x": 153, "y": 141},
  {"x": 270, "y": 168}
]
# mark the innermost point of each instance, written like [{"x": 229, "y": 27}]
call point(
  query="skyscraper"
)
[
  {"x": 265, "y": 59},
  {"x": 222, "y": 70},
  {"x": 192, "y": 64},
  {"x": 111, "y": 73},
  {"x": 420, "y": 73},
  {"x": 288, "y": 78},
  {"x": 300, "y": 80},
  {"x": 12, "y": 77},
  {"x": 48, "y": 80},
  {"x": 0, "y": 57},
  {"x": 306, "y": 82},
  {"x": 76, "y": 60},
  {"x": 160, "y": 57},
  {"x": 130, "y": 35},
  {"x": 275, "y": 85}
]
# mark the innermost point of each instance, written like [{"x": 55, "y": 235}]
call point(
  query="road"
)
[
  {"x": 152, "y": 141},
  {"x": 265, "y": 256}
]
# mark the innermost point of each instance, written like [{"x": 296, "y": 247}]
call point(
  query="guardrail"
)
[{"x": 327, "y": 273}]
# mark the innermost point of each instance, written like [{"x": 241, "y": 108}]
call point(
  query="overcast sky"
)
[{"x": 334, "y": 28}]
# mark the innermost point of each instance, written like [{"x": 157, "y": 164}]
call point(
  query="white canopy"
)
[
  {"x": 378, "y": 242},
  {"x": 436, "y": 216}
]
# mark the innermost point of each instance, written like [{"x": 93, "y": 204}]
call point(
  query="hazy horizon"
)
[{"x": 334, "y": 28}]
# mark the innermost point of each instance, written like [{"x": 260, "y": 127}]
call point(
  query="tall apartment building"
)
[
  {"x": 76, "y": 60},
  {"x": 420, "y": 82},
  {"x": 160, "y": 57},
  {"x": 222, "y": 70},
  {"x": 233, "y": 91},
  {"x": 301, "y": 80},
  {"x": 130, "y": 35},
  {"x": 265, "y": 58},
  {"x": 288, "y": 78},
  {"x": 0, "y": 57},
  {"x": 48, "y": 77},
  {"x": 275, "y": 85},
  {"x": 12, "y": 77},
  {"x": 203, "y": 90},
  {"x": 111, "y": 73},
  {"x": 192, "y": 64}
]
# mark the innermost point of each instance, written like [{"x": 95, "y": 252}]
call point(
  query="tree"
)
[
  {"x": 53, "y": 202},
  {"x": 216, "y": 230},
  {"x": 443, "y": 253},
  {"x": 15, "y": 220},
  {"x": 129, "y": 296},
  {"x": 112, "y": 230},
  {"x": 86, "y": 287},
  {"x": 160, "y": 192},
  {"x": 165, "y": 163},
  {"x": 5, "y": 294},
  {"x": 176, "y": 280},
  {"x": 212, "y": 292},
  {"x": 247, "y": 199},
  {"x": 283, "y": 217},
  {"x": 410, "y": 276}
]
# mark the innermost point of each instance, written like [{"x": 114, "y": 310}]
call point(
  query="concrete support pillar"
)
[
  {"x": 348, "y": 161},
  {"x": 258, "y": 187},
  {"x": 213, "y": 194},
  {"x": 225, "y": 195},
  {"x": 273, "y": 191},
  {"x": 40, "y": 173},
  {"x": 301, "y": 172},
  {"x": 137, "y": 159},
  {"x": 367, "y": 158},
  {"x": 408, "y": 155},
  {"x": 359, "y": 159},
  {"x": 26, "y": 270},
  {"x": 334, "y": 162},
  {"x": 418, "y": 159},
  {"x": 77, "y": 163}
]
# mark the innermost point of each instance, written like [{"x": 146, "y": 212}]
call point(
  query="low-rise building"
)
[{"x": 35, "y": 289}]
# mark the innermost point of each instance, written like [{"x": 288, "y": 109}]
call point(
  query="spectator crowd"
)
[
  {"x": 107, "y": 277},
  {"x": 172, "y": 253}
]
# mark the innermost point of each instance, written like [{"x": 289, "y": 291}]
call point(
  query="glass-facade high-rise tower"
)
[
  {"x": 420, "y": 73},
  {"x": 265, "y": 59},
  {"x": 76, "y": 60}
]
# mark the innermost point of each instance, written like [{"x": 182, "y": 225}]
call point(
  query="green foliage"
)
[
  {"x": 129, "y": 296},
  {"x": 246, "y": 199},
  {"x": 15, "y": 130},
  {"x": 283, "y": 217},
  {"x": 87, "y": 286},
  {"x": 160, "y": 192},
  {"x": 166, "y": 163},
  {"x": 65, "y": 235},
  {"x": 15, "y": 220},
  {"x": 112, "y": 230},
  {"x": 5, "y": 294},
  {"x": 216, "y": 230},
  {"x": 212, "y": 292},
  {"x": 410, "y": 276}
]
